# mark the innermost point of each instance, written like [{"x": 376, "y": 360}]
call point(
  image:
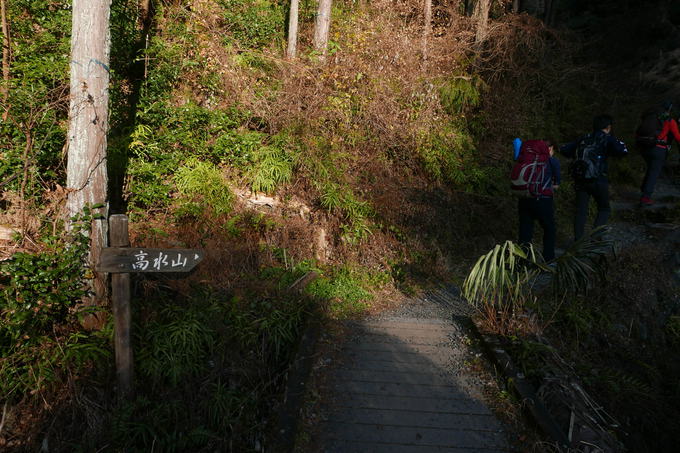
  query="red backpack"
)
[{"x": 527, "y": 178}]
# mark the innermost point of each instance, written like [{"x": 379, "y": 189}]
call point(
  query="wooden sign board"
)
[{"x": 124, "y": 259}]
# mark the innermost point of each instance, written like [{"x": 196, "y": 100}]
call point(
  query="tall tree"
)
[
  {"x": 5, "y": 57},
  {"x": 291, "y": 50},
  {"x": 86, "y": 173},
  {"x": 427, "y": 30},
  {"x": 322, "y": 26},
  {"x": 516, "y": 5},
  {"x": 481, "y": 18}
]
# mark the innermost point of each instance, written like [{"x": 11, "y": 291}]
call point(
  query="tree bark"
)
[
  {"x": 322, "y": 26},
  {"x": 427, "y": 30},
  {"x": 6, "y": 55},
  {"x": 481, "y": 18},
  {"x": 86, "y": 172},
  {"x": 551, "y": 15},
  {"x": 470, "y": 7},
  {"x": 516, "y": 5},
  {"x": 291, "y": 50}
]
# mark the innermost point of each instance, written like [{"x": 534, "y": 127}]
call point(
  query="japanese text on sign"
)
[{"x": 159, "y": 260}]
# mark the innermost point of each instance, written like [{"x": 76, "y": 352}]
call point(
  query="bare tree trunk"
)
[
  {"x": 291, "y": 50},
  {"x": 516, "y": 5},
  {"x": 427, "y": 30},
  {"x": 551, "y": 14},
  {"x": 6, "y": 55},
  {"x": 86, "y": 173},
  {"x": 470, "y": 7},
  {"x": 322, "y": 26},
  {"x": 144, "y": 10},
  {"x": 481, "y": 17},
  {"x": 24, "y": 179}
]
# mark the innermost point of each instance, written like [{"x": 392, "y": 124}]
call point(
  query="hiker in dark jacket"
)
[
  {"x": 655, "y": 146},
  {"x": 597, "y": 187},
  {"x": 542, "y": 208}
]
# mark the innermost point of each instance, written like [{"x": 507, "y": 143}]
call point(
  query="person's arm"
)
[
  {"x": 569, "y": 150},
  {"x": 616, "y": 147},
  {"x": 556, "y": 174}
]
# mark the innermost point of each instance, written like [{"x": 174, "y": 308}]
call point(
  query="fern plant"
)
[
  {"x": 273, "y": 167},
  {"x": 202, "y": 184}
]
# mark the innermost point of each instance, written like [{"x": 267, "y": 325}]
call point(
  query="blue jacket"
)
[{"x": 612, "y": 147}]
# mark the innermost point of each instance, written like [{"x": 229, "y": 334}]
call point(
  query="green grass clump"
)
[
  {"x": 347, "y": 292},
  {"x": 202, "y": 186}
]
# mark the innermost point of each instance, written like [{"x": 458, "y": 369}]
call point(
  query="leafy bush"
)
[
  {"x": 460, "y": 93},
  {"x": 40, "y": 289},
  {"x": 237, "y": 148},
  {"x": 37, "y": 101},
  {"x": 254, "y": 23},
  {"x": 39, "y": 335},
  {"x": 447, "y": 155}
]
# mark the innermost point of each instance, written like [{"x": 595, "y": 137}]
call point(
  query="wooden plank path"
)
[{"x": 397, "y": 389}]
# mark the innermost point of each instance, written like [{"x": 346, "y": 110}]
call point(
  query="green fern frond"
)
[{"x": 204, "y": 182}]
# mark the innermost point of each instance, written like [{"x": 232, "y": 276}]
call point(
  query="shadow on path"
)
[{"x": 401, "y": 386}]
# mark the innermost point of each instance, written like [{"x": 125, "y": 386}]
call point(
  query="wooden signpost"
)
[{"x": 120, "y": 260}]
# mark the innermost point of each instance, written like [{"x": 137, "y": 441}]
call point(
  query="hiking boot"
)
[{"x": 646, "y": 201}]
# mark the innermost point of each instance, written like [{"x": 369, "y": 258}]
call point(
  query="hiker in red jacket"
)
[{"x": 654, "y": 136}]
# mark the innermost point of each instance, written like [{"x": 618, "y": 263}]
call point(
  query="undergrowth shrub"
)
[
  {"x": 210, "y": 367},
  {"x": 346, "y": 290},
  {"x": 203, "y": 186},
  {"x": 448, "y": 155},
  {"x": 273, "y": 167},
  {"x": 40, "y": 335},
  {"x": 460, "y": 93},
  {"x": 33, "y": 129},
  {"x": 253, "y": 23},
  {"x": 497, "y": 287}
]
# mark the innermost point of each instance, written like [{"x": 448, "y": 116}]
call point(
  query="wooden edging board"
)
[{"x": 540, "y": 414}]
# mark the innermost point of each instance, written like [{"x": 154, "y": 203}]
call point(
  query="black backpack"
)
[
  {"x": 588, "y": 157},
  {"x": 651, "y": 125}
]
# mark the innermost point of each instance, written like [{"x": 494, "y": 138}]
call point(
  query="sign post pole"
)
[
  {"x": 120, "y": 260},
  {"x": 120, "y": 295}
]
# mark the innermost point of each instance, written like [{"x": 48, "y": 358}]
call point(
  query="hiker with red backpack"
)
[
  {"x": 589, "y": 170},
  {"x": 534, "y": 178},
  {"x": 653, "y": 138}
]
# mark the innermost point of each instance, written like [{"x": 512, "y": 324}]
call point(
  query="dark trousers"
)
[
  {"x": 541, "y": 209},
  {"x": 599, "y": 190},
  {"x": 655, "y": 158}
]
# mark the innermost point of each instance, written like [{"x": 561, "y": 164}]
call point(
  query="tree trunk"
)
[
  {"x": 86, "y": 173},
  {"x": 6, "y": 55},
  {"x": 144, "y": 12},
  {"x": 516, "y": 5},
  {"x": 470, "y": 7},
  {"x": 547, "y": 10},
  {"x": 481, "y": 18},
  {"x": 291, "y": 50},
  {"x": 551, "y": 16},
  {"x": 322, "y": 26},
  {"x": 427, "y": 30}
]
